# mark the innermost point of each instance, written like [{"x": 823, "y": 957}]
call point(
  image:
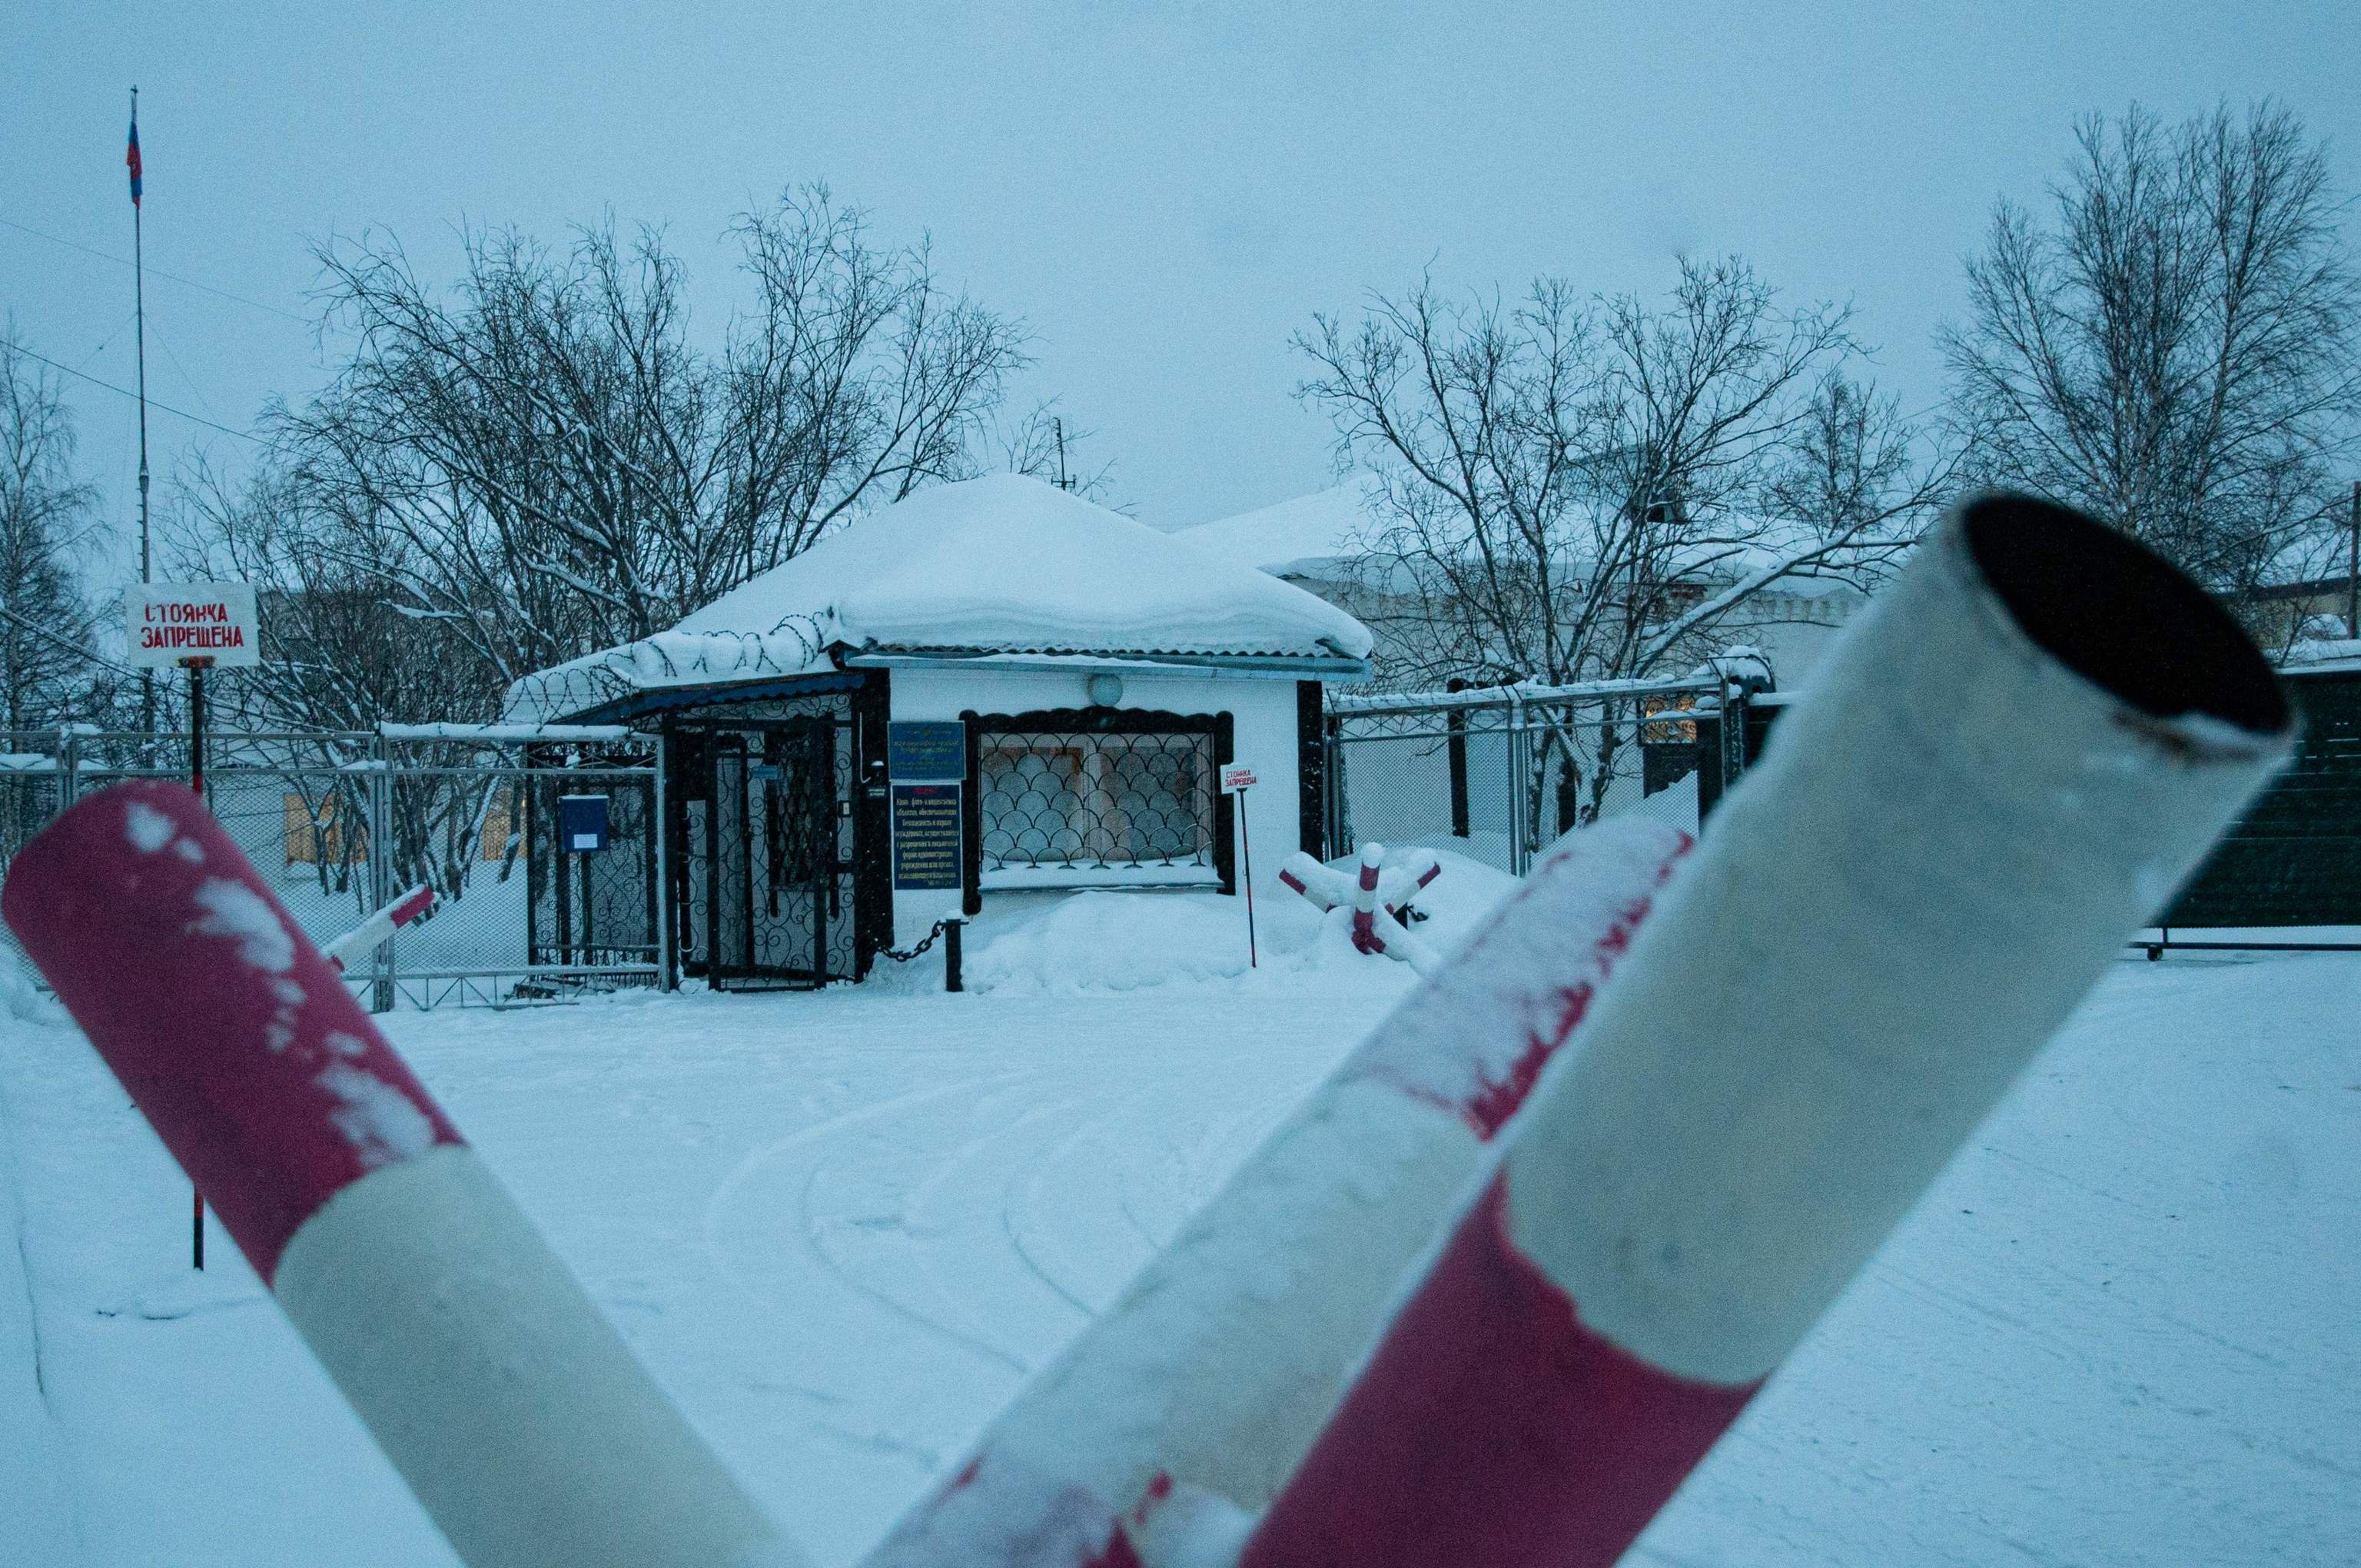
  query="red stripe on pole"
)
[
  {"x": 418, "y": 902},
  {"x": 1492, "y": 1427},
  {"x": 236, "y": 1038}
]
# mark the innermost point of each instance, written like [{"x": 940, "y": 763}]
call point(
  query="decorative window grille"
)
[{"x": 1096, "y": 796}]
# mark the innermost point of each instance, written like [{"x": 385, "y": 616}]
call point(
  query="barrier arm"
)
[
  {"x": 344, "y": 951},
  {"x": 1881, "y": 929},
  {"x": 1201, "y": 1388},
  {"x": 510, "y": 1405}
]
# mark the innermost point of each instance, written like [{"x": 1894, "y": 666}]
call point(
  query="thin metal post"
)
[
  {"x": 1333, "y": 779},
  {"x": 1455, "y": 724},
  {"x": 667, "y": 955},
  {"x": 1520, "y": 859},
  {"x": 2353, "y": 569},
  {"x": 1245, "y": 861},
  {"x": 196, "y": 668},
  {"x": 380, "y": 868},
  {"x": 139, "y": 339},
  {"x": 1733, "y": 732}
]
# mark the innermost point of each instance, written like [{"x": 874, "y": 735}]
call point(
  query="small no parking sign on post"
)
[
  {"x": 1236, "y": 779},
  {"x": 196, "y": 626}
]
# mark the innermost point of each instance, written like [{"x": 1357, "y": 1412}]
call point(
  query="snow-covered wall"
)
[{"x": 1262, "y": 714}]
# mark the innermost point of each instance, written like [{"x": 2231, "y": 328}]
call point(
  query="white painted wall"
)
[
  {"x": 1262, "y": 713},
  {"x": 1793, "y": 629}
]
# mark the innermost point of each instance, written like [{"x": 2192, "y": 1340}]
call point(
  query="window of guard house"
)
[{"x": 1123, "y": 808}]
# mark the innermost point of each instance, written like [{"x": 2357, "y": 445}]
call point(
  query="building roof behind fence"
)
[
  {"x": 1348, "y": 533},
  {"x": 1001, "y": 564}
]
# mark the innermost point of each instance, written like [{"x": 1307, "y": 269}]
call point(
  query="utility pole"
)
[
  {"x": 140, "y": 337},
  {"x": 1057, "y": 427},
  {"x": 2353, "y": 569}
]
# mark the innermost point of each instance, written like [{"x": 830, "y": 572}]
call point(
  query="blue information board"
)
[
  {"x": 581, "y": 823},
  {"x": 927, "y": 752},
  {"x": 927, "y": 836}
]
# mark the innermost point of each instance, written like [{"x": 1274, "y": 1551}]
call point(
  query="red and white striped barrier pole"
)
[
  {"x": 508, "y": 1405},
  {"x": 1364, "y": 897},
  {"x": 1199, "y": 1391},
  {"x": 1886, "y": 923},
  {"x": 363, "y": 938},
  {"x": 1328, "y": 889}
]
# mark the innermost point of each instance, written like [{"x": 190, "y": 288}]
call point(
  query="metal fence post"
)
[
  {"x": 668, "y": 978},
  {"x": 1734, "y": 731},
  {"x": 69, "y": 762},
  {"x": 381, "y": 861},
  {"x": 1520, "y": 852},
  {"x": 1332, "y": 778},
  {"x": 1455, "y": 725}
]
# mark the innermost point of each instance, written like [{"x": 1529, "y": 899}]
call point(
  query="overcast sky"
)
[{"x": 1163, "y": 193}]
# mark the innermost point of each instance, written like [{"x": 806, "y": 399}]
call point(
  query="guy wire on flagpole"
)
[{"x": 139, "y": 339}]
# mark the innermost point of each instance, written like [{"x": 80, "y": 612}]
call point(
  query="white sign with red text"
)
[
  {"x": 169, "y": 623},
  {"x": 1236, "y": 776}
]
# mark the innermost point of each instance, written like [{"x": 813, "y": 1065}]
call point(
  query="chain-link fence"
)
[
  {"x": 1496, "y": 774},
  {"x": 342, "y": 823}
]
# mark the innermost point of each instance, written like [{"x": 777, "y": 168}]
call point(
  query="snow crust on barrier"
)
[{"x": 1220, "y": 1363}]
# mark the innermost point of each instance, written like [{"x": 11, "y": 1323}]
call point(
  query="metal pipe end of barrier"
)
[
  {"x": 1888, "y": 921},
  {"x": 517, "y": 1416}
]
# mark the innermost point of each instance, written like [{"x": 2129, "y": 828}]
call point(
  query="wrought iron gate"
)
[{"x": 775, "y": 869}]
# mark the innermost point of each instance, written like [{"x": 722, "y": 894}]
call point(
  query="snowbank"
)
[
  {"x": 1091, "y": 943},
  {"x": 40, "y": 1526}
]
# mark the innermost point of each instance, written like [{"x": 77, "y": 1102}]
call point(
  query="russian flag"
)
[{"x": 131, "y": 160}]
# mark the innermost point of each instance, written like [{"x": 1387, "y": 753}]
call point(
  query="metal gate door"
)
[{"x": 771, "y": 859}]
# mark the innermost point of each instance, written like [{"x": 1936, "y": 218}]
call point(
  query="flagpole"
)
[
  {"x": 140, "y": 337},
  {"x": 148, "y": 677}
]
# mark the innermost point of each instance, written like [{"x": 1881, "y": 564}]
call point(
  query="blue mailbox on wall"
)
[{"x": 582, "y": 823}]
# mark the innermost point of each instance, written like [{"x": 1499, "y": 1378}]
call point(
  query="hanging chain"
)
[{"x": 924, "y": 943}]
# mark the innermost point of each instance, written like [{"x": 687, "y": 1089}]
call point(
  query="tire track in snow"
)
[
  {"x": 763, "y": 1165},
  {"x": 951, "y": 1203},
  {"x": 1024, "y": 1198}
]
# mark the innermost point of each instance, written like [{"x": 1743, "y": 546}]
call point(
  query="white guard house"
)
[{"x": 990, "y": 686}]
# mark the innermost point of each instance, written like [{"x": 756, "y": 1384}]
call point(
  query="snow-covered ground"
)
[{"x": 841, "y": 1228}]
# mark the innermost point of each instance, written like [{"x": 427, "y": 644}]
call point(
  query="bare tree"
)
[
  {"x": 47, "y": 661},
  {"x": 2173, "y": 351},
  {"x": 545, "y": 463},
  {"x": 1577, "y": 489},
  {"x": 339, "y": 653}
]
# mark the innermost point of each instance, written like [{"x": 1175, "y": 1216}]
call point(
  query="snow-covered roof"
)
[
  {"x": 1328, "y": 533},
  {"x": 1001, "y": 564},
  {"x": 2324, "y": 655},
  {"x": 1296, "y": 536}
]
